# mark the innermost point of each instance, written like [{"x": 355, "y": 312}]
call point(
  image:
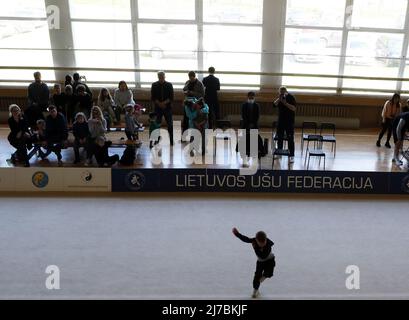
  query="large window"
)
[
  {"x": 337, "y": 46},
  {"x": 24, "y": 41},
  {"x": 104, "y": 44}
]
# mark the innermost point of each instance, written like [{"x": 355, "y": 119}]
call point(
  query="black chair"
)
[
  {"x": 280, "y": 152},
  {"x": 308, "y": 133},
  {"x": 316, "y": 152},
  {"x": 329, "y": 128}
]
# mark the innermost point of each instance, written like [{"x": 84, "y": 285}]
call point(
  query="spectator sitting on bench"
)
[
  {"x": 101, "y": 153},
  {"x": 123, "y": 97},
  {"x": 83, "y": 101},
  {"x": 81, "y": 133},
  {"x": 153, "y": 125},
  {"x": 97, "y": 126},
  {"x": 106, "y": 103},
  {"x": 56, "y": 132},
  {"x": 39, "y": 137},
  {"x": 19, "y": 137},
  {"x": 131, "y": 124}
]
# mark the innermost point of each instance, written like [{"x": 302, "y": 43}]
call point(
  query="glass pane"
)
[
  {"x": 379, "y": 14},
  {"x": 23, "y": 8},
  {"x": 224, "y": 52},
  {"x": 100, "y": 9},
  {"x": 372, "y": 54},
  {"x": 15, "y": 40},
  {"x": 308, "y": 51},
  {"x": 116, "y": 51},
  {"x": 233, "y": 11},
  {"x": 315, "y": 13},
  {"x": 165, "y": 9},
  {"x": 405, "y": 84},
  {"x": 167, "y": 47}
]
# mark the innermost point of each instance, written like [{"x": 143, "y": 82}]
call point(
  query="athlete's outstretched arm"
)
[{"x": 240, "y": 236}]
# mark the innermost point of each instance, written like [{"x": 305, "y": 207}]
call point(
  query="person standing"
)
[
  {"x": 193, "y": 89},
  {"x": 77, "y": 82},
  {"x": 390, "y": 110},
  {"x": 162, "y": 96},
  {"x": 56, "y": 132},
  {"x": 212, "y": 86},
  {"x": 38, "y": 98},
  {"x": 286, "y": 104},
  {"x": 400, "y": 126},
  {"x": 265, "y": 258},
  {"x": 250, "y": 114}
]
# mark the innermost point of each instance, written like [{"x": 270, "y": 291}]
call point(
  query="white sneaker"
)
[
  {"x": 246, "y": 163},
  {"x": 255, "y": 294},
  {"x": 291, "y": 159},
  {"x": 397, "y": 162}
]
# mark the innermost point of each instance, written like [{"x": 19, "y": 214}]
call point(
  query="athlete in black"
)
[{"x": 265, "y": 258}]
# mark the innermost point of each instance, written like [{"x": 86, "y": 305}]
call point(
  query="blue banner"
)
[{"x": 264, "y": 181}]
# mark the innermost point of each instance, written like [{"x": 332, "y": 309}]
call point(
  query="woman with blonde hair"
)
[
  {"x": 19, "y": 136},
  {"x": 390, "y": 110},
  {"x": 97, "y": 126},
  {"x": 106, "y": 103}
]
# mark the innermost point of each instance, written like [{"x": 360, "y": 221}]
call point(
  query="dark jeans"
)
[
  {"x": 214, "y": 113},
  {"x": 118, "y": 110},
  {"x": 21, "y": 147},
  {"x": 77, "y": 146},
  {"x": 386, "y": 126},
  {"x": 263, "y": 269},
  {"x": 167, "y": 113},
  {"x": 286, "y": 126},
  {"x": 55, "y": 146}
]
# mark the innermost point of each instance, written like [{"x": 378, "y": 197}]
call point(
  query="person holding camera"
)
[{"x": 286, "y": 104}]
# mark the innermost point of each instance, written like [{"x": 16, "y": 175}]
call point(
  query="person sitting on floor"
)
[
  {"x": 101, "y": 153},
  {"x": 81, "y": 133},
  {"x": 19, "y": 136},
  {"x": 56, "y": 132}
]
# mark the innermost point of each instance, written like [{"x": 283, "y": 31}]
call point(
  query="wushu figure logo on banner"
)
[{"x": 135, "y": 180}]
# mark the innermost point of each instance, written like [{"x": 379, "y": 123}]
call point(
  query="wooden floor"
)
[{"x": 356, "y": 151}]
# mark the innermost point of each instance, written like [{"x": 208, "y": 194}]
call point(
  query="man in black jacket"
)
[
  {"x": 286, "y": 118},
  {"x": 162, "y": 97},
  {"x": 38, "y": 96},
  {"x": 56, "y": 132},
  {"x": 250, "y": 114},
  {"x": 212, "y": 86},
  {"x": 265, "y": 258}
]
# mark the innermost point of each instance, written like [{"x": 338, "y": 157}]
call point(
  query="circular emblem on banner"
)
[
  {"x": 405, "y": 184},
  {"x": 40, "y": 179},
  {"x": 86, "y": 176},
  {"x": 135, "y": 180}
]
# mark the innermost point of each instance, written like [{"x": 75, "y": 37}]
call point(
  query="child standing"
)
[
  {"x": 81, "y": 133},
  {"x": 265, "y": 258},
  {"x": 131, "y": 125},
  {"x": 153, "y": 125}
]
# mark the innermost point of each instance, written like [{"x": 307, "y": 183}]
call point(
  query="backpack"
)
[{"x": 128, "y": 157}]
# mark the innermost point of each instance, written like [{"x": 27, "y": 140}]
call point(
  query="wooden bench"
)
[{"x": 121, "y": 143}]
